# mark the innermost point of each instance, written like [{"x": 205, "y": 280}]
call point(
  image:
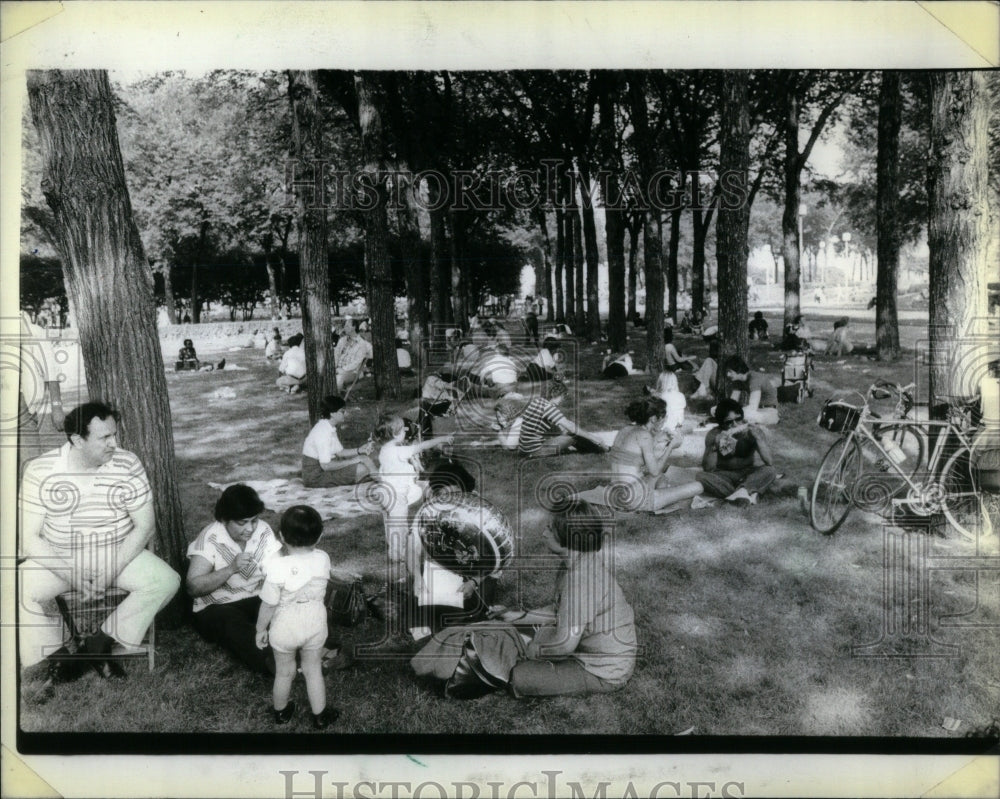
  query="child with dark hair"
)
[
  {"x": 586, "y": 642},
  {"x": 292, "y": 615}
]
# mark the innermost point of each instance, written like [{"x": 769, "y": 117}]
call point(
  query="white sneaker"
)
[{"x": 742, "y": 497}]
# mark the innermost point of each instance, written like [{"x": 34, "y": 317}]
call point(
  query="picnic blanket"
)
[{"x": 332, "y": 503}]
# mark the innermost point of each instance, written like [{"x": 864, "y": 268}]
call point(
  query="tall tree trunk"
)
[
  {"x": 653, "y": 272},
  {"x": 614, "y": 231},
  {"x": 569, "y": 251},
  {"x": 732, "y": 249},
  {"x": 267, "y": 242},
  {"x": 593, "y": 257},
  {"x": 314, "y": 260},
  {"x": 544, "y": 286},
  {"x": 560, "y": 263},
  {"x": 195, "y": 295},
  {"x": 698, "y": 252},
  {"x": 440, "y": 277},
  {"x": 674, "y": 245},
  {"x": 633, "y": 272},
  {"x": 887, "y": 217},
  {"x": 107, "y": 279},
  {"x": 381, "y": 304},
  {"x": 580, "y": 317},
  {"x": 790, "y": 216},
  {"x": 168, "y": 292},
  {"x": 416, "y": 288},
  {"x": 459, "y": 305},
  {"x": 958, "y": 233},
  {"x": 614, "y": 219}
]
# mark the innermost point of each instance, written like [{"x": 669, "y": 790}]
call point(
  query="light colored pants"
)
[
  {"x": 151, "y": 584},
  {"x": 556, "y": 678}
]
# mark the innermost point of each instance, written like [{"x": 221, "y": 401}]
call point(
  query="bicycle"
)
[{"x": 876, "y": 465}]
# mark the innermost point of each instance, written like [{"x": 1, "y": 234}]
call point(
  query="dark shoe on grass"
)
[
  {"x": 109, "y": 670},
  {"x": 325, "y": 717},
  {"x": 65, "y": 667},
  {"x": 284, "y": 715}
]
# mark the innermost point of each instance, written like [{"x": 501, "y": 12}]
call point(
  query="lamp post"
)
[{"x": 802, "y": 212}]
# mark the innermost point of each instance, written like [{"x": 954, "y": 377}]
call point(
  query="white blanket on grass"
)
[{"x": 332, "y": 503}]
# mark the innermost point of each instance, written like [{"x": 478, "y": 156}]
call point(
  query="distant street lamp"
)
[{"x": 802, "y": 212}]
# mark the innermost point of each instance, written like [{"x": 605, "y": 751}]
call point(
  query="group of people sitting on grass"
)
[{"x": 351, "y": 352}]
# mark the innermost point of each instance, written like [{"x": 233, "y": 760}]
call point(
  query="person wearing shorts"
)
[{"x": 292, "y": 618}]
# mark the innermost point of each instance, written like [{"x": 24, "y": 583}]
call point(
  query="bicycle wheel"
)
[
  {"x": 960, "y": 496},
  {"x": 834, "y": 484},
  {"x": 887, "y": 467}
]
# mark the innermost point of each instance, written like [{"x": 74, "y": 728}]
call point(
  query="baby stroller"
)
[{"x": 796, "y": 374}]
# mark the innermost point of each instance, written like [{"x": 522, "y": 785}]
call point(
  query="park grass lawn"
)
[{"x": 746, "y": 617}]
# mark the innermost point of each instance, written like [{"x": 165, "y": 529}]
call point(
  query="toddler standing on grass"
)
[
  {"x": 292, "y": 615},
  {"x": 398, "y": 473}
]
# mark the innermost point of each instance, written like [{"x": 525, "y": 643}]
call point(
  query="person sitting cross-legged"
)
[
  {"x": 586, "y": 640},
  {"x": 545, "y": 430},
  {"x": 729, "y": 467},
  {"x": 225, "y": 575}
]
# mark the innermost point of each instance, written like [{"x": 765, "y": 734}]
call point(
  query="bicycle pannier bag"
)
[{"x": 838, "y": 417}]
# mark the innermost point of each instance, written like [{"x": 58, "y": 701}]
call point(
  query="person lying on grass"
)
[
  {"x": 546, "y": 365},
  {"x": 292, "y": 616},
  {"x": 585, "y": 641},
  {"x": 545, "y": 430},
  {"x": 641, "y": 464},
  {"x": 755, "y": 391},
  {"x": 729, "y": 467}
]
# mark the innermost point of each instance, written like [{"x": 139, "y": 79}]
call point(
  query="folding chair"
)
[{"x": 84, "y": 617}]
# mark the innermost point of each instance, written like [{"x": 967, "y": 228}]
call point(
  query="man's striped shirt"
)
[
  {"x": 540, "y": 419},
  {"x": 85, "y": 508}
]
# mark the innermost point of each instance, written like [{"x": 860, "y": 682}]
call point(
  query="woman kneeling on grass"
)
[{"x": 586, "y": 642}]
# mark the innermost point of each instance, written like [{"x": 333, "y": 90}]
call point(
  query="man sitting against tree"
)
[
  {"x": 86, "y": 518},
  {"x": 350, "y": 355}
]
